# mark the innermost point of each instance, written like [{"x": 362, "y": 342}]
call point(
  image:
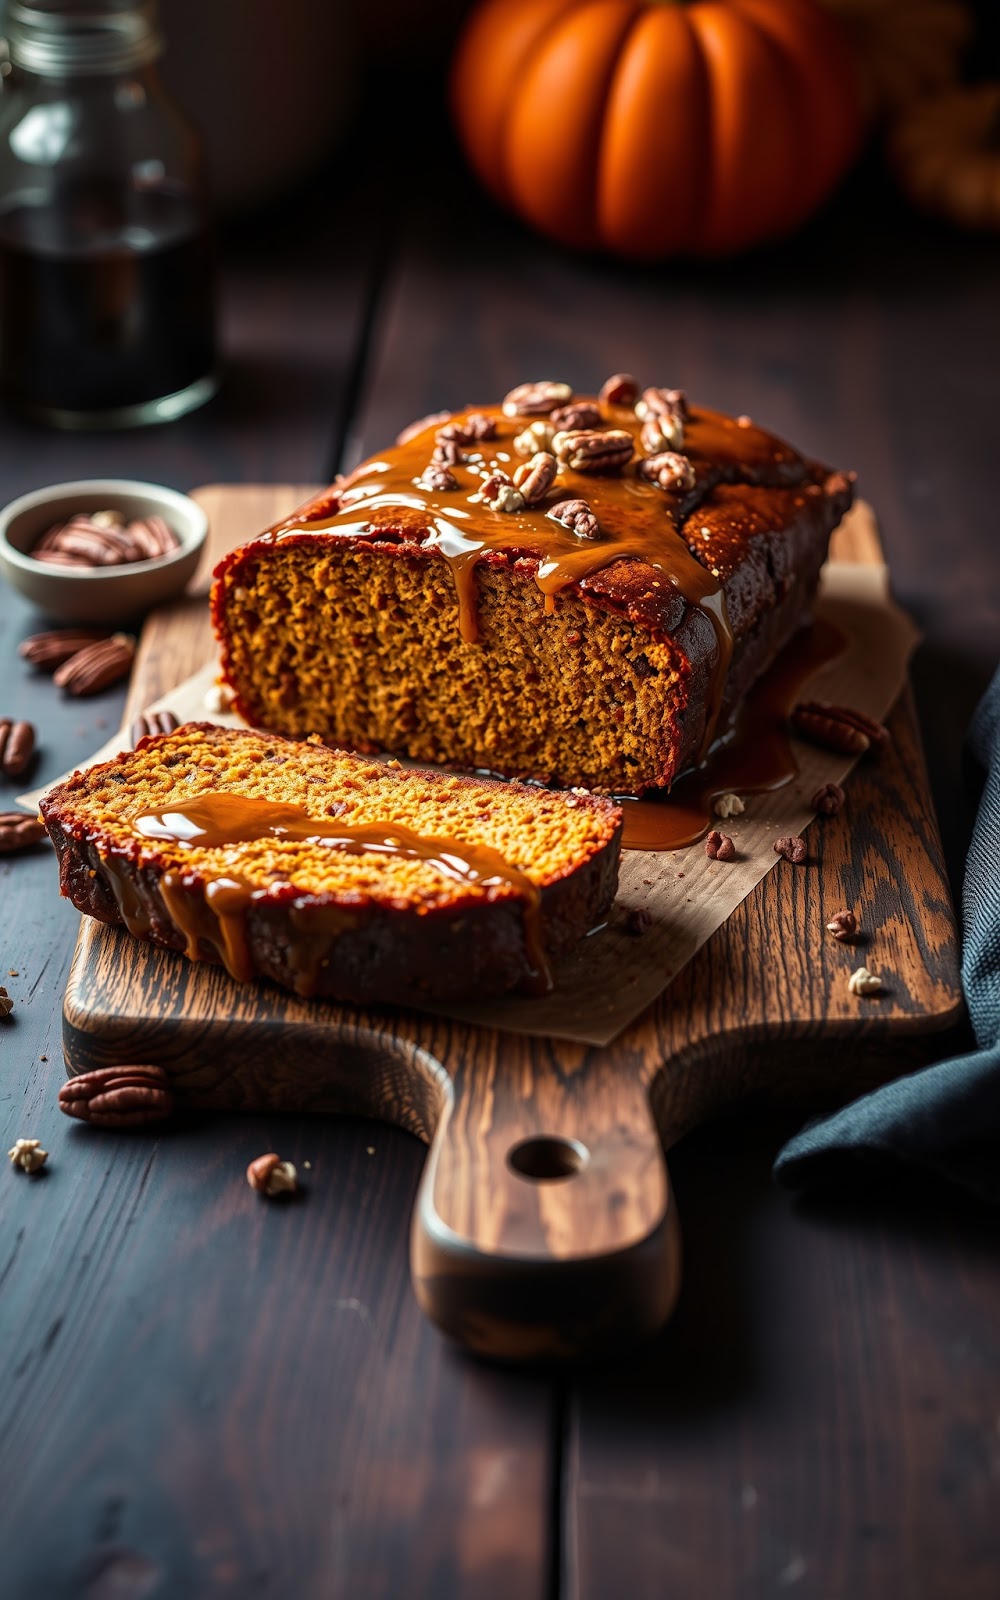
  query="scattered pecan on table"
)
[
  {"x": 97, "y": 666},
  {"x": 719, "y": 846},
  {"x": 17, "y": 746},
  {"x": 792, "y": 848},
  {"x": 49, "y": 650},
  {"x": 843, "y": 925},
  {"x": 271, "y": 1176},
  {"x": 19, "y": 831},
  {"x": 828, "y": 800},
  {"x": 118, "y": 1097},
  {"x": 839, "y": 728}
]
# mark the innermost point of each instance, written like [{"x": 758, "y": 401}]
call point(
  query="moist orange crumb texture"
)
[
  {"x": 361, "y": 646},
  {"x": 542, "y": 835}
]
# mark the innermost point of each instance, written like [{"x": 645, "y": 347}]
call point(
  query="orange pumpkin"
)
[{"x": 654, "y": 127}]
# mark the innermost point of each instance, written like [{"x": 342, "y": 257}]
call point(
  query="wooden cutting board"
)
[{"x": 544, "y": 1224}]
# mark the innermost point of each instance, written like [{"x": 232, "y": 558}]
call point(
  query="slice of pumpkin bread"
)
[{"x": 333, "y": 874}]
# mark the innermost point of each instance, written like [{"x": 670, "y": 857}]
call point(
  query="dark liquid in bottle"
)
[{"x": 103, "y": 308}]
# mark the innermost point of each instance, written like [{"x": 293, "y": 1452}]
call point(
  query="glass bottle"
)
[{"x": 107, "y": 295}]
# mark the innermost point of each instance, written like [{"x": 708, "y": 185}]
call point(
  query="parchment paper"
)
[{"x": 612, "y": 976}]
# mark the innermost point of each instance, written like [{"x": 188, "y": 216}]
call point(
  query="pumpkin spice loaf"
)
[
  {"x": 331, "y": 873},
  {"x": 561, "y": 587}
]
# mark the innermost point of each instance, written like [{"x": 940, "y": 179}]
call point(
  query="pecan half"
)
[
  {"x": 537, "y": 436},
  {"x": 535, "y": 478},
  {"x": 97, "y": 666},
  {"x": 536, "y": 399},
  {"x": 447, "y": 453},
  {"x": 662, "y": 403},
  {"x": 719, "y": 846},
  {"x": 661, "y": 433},
  {"x": 828, "y": 800},
  {"x": 17, "y": 746},
  {"x": 593, "y": 450},
  {"x": 151, "y": 537},
  {"x": 439, "y": 478},
  {"x": 421, "y": 426},
  {"x": 843, "y": 925},
  {"x": 18, "y": 831},
  {"x": 6, "y": 1005},
  {"x": 577, "y": 516},
  {"x": 839, "y": 728},
  {"x": 581, "y": 414},
  {"x": 668, "y": 470},
  {"x": 152, "y": 723},
  {"x": 49, "y": 650},
  {"x": 118, "y": 1097},
  {"x": 792, "y": 848},
  {"x": 621, "y": 390},
  {"x": 498, "y": 492},
  {"x": 271, "y": 1176},
  {"x": 475, "y": 427},
  {"x": 99, "y": 540}
]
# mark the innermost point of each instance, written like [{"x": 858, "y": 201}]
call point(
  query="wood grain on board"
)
[{"x": 544, "y": 1224}]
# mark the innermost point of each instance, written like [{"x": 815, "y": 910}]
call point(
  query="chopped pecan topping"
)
[
  {"x": 18, "y": 831},
  {"x": 792, "y": 848},
  {"x": 475, "y": 428},
  {"x": 843, "y": 925},
  {"x": 152, "y": 723},
  {"x": 828, "y": 800},
  {"x": 118, "y": 1097},
  {"x": 839, "y": 728},
  {"x": 535, "y": 478},
  {"x": 536, "y": 436},
  {"x": 669, "y": 470},
  {"x": 17, "y": 746},
  {"x": 447, "y": 453},
  {"x": 719, "y": 846},
  {"x": 661, "y": 433},
  {"x": 621, "y": 390},
  {"x": 271, "y": 1176},
  {"x": 536, "y": 399},
  {"x": 662, "y": 403},
  {"x": 421, "y": 426},
  {"x": 49, "y": 650},
  {"x": 27, "y": 1155},
  {"x": 97, "y": 666},
  {"x": 498, "y": 492},
  {"x": 863, "y": 982},
  {"x": 581, "y": 414},
  {"x": 594, "y": 450},
  {"x": 577, "y": 516},
  {"x": 439, "y": 478}
]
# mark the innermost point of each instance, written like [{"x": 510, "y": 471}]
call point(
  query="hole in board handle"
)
[{"x": 547, "y": 1160}]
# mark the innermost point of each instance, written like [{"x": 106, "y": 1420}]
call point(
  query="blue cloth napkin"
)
[{"x": 945, "y": 1118}]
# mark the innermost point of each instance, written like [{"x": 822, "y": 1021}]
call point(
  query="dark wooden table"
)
[{"x": 204, "y": 1395}]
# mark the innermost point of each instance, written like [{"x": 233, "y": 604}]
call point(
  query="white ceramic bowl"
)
[{"x": 99, "y": 594}]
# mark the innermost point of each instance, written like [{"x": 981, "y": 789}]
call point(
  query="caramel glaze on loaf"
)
[
  {"x": 401, "y": 611},
  {"x": 333, "y": 874}
]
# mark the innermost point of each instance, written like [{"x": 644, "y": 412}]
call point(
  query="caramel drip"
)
[
  {"x": 217, "y": 914},
  {"x": 638, "y": 520},
  {"x": 757, "y": 758}
]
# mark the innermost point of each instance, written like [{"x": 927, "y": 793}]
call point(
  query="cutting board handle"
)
[{"x": 544, "y": 1226}]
